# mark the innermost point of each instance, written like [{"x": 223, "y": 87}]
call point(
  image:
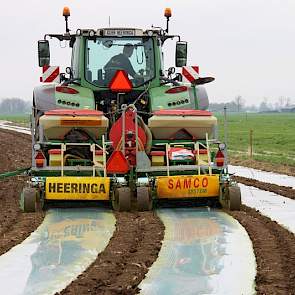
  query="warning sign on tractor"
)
[
  {"x": 188, "y": 186},
  {"x": 77, "y": 188}
]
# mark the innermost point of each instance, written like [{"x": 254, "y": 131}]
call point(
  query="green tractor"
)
[{"x": 118, "y": 128}]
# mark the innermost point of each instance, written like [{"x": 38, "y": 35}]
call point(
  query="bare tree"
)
[
  {"x": 239, "y": 101},
  {"x": 288, "y": 101},
  {"x": 283, "y": 102},
  {"x": 265, "y": 106}
]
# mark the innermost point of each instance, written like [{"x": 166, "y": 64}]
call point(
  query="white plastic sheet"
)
[
  {"x": 66, "y": 243},
  {"x": 276, "y": 207},
  {"x": 279, "y": 179},
  {"x": 203, "y": 252},
  {"x": 5, "y": 125}
]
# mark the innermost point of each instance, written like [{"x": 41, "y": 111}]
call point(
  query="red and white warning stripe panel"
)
[
  {"x": 50, "y": 74},
  {"x": 190, "y": 73}
]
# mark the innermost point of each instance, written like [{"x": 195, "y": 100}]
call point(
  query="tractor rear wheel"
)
[
  {"x": 234, "y": 201},
  {"x": 28, "y": 199},
  {"x": 144, "y": 199},
  {"x": 122, "y": 199}
]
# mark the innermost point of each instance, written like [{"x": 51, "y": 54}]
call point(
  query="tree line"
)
[
  {"x": 239, "y": 105},
  {"x": 14, "y": 106}
]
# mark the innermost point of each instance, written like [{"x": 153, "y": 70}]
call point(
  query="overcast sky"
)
[{"x": 248, "y": 46}]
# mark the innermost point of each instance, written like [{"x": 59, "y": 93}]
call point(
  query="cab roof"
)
[{"x": 116, "y": 32}]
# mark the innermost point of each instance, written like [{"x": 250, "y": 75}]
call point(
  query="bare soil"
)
[
  {"x": 274, "y": 248},
  {"x": 15, "y": 226},
  {"x": 15, "y": 150}
]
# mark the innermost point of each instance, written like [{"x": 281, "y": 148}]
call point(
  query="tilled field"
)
[
  {"x": 15, "y": 153},
  {"x": 137, "y": 239}
]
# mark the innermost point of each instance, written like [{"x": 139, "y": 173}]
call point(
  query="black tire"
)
[
  {"x": 122, "y": 199},
  {"x": 235, "y": 200},
  {"x": 144, "y": 199},
  {"x": 29, "y": 199}
]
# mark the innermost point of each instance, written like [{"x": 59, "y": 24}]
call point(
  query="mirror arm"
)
[
  {"x": 166, "y": 37},
  {"x": 178, "y": 77},
  {"x": 76, "y": 81},
  {"x": 167, "y": 80},
  {"x": 60, "y": 37}
]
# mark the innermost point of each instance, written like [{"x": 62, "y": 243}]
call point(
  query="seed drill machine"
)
[{"x": 118, "y": 128}]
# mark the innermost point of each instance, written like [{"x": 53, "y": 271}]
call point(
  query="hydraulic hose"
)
[{"x": 148, "y": 134}]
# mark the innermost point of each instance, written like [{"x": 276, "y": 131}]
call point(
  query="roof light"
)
[
  {"x": 177, "y": 89},
  {"x": 91, "y": 33},
  {"x": 66, "y": 11},
  {"x": 67, "y": 90},
  {"x": 150, "y": 33},
  {"x": 168, "y": 12},
  {"x": 79, "y": 32}
]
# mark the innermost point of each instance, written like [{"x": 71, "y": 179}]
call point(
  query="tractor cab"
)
[
  {"x": 97, "y": 56},
  {"x": 120, "y": 49}
]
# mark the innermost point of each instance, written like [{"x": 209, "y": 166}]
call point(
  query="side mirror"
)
[
  {"x": 43, "y": 53},
  {"x": 181, "y": 54}
]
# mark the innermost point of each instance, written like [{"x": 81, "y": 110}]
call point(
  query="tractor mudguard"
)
[
  {"x": 203, "y": 101},
  {"x": 44, "y": 98}
]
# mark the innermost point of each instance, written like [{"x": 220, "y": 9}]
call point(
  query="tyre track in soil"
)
[{"x": 15, "y": 226}]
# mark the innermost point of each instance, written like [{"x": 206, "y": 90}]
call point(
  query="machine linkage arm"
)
[{"x": 14, "y": 173}]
